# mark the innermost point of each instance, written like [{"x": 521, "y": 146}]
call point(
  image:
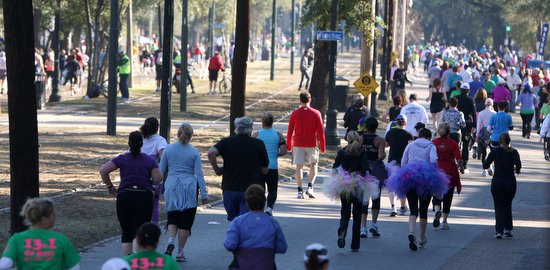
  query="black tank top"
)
[
  {"x": 369, "y": 147},
  {"x": 394, "y": 112}
]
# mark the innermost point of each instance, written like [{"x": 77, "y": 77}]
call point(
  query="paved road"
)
[{"x": 469, "y": 243}]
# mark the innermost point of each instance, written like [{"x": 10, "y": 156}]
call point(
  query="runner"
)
[
  {"x": 448, "y": 155},
  {"x": 483, "y": 136},
  {"x": 455, "y": 119},
  {"x": 147, "y": 238},
  {"x": 275, "y": 146},
  {"x": 415, "y": 113},
  {"x": 438, "y": 98},
  {"x": 39, "y": 248},
  {"x": 528, "y": 102}
]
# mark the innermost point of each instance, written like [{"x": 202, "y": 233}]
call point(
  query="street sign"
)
[
  {"x": 330, "y": 35},
  {"x": 218, "y": 25},
  {"x": 366, "y": 84}
]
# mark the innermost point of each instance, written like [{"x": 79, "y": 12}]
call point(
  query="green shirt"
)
[
  {"x": 489, "y": 86},
  {"x": 455, "y": 93},
  {"x": 41, "y": 249},
  {"x": 545, "y": 110},
  {"x": 151, "y": 260}
]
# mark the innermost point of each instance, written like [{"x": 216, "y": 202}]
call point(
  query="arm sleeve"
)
[
  {"x": 232, "y": 240},
  {"x": 365, "y": 167},
  {"x": 200, "y": 175},
  {"x": 478, "y": 126},
  {"x": 518, "y": 100},
  {"x": 424, "y": 116},
  {"x": 264, "y": 162},
  {"x": 433, "y": 155},
  {"x": 76, "y": 267},
  {"x": 337, "y": 161},
  {"x": 489, "y": 160},
  {"x": 71, "y": 258},
  {"x": 473, "y": 111},
  {"x": 405, "y": 158},
  {"x": 280, "y": 242},
  {"x": 321, "y": 133},
  {"x": 456, "y": 152},
  {"x": 163, "y": 162},
  {"x": 517, "y": 160},
  {"x": 289, "y": 133},
  {"x": 461, "y": 122}
]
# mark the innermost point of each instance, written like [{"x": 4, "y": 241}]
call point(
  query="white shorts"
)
[{"x": 300, "y": 154}]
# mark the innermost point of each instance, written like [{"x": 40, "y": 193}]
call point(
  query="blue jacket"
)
[{"x": 528, "y": 101}]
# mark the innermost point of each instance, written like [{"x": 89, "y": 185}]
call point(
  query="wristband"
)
[{"x": 110, "y": 186}]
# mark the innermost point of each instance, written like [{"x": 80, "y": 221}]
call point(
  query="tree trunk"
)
[
  {"x": 89, "y": 47},
  {"x": 499, "y": 32},
  {"x": 319, "y": 79},
  {"x": 37, "y": 17},
  {"x": 242, "y": 36},
  {"x": 23, "y": 125}
]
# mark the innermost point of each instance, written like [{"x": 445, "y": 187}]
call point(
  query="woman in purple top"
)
[{"x": 134, "y": 202}]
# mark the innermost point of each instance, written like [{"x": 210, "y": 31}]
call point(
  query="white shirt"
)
[
  {"x": 545, "y": 128},
  {"x": 466, "y": 75},
  {"x": 513, "y": 81},
  {"x": 153, "y": 144},
  {"x": 483, "y": 118},
  {"x": 415, "y": 114}
]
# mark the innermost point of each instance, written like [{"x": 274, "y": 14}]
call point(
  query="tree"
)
[{"x": 357, "y": 14}]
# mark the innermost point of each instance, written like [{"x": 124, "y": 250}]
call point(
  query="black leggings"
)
[
  {"x": 502, "y": 199},
  {"x": 344, "y": 220},
  {"x": 447, "y": 200},
  {"x": 133, "y": 208},
  {"x": 272, "y": 181},
  {"x": 375, "y": 203},
  {"x": 482, "y": 148},
  {"x": 526, "y": 124},
  {"x": 413, "y": 199}
]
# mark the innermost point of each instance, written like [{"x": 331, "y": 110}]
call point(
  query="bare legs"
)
[
  {"x": 213, "y": 85},
  {"x": 183, "y": 235},
  {"x": 312, "y": 173},
  {"x": 436, "y": 117}
]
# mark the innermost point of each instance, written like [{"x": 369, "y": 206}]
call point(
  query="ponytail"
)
[
  {"x": 353, "y": 148},
  {"x": 505, "y": 140},
  {"x": 150, "y": 127},
  {"x": 135, "y": 141}
]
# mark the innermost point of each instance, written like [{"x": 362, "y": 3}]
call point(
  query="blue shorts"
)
[{"x": 235, "y": 204}]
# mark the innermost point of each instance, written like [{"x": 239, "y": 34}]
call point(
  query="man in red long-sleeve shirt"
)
[
  {"x": 213, "y": 67},
  {"x": 306, "y": 124}
]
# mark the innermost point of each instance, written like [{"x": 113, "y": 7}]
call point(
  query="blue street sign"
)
[
  {"x": 330, "y": 35},
  {"x": 543, "y": 38}
]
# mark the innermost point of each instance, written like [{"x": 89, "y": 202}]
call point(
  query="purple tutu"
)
[
  {"x": 350, "y": 185},
  {"x": 425, "y": 178}
]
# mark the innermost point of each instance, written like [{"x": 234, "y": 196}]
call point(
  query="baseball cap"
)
[
  {"x": 115, "y": 264},
  {"x": 465, "y": 86},
  {"x": 477, "y": 76},
  {"x": 323, "y": 252},
  {"x": 401, "y": 119},
  {"x": 513, "y": 68},
  {"x": 489, "y": 101},
  {"x": 500, "y": 81},
  {"x": 121, "y": 51}
]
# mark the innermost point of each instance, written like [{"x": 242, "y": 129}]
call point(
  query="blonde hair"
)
[
  {"x": 185, "y": 132},
  {"x": 403, "y": 94},
  {"x": 444, "y": 129},
  {"x": 36, "y": 208},
  {"x": 353, "y": 144}
]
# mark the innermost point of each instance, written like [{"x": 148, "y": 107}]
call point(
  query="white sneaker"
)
[
  {"x": 393, "y": 213},
  {"x": 269, "y": 211},
  {"x": 466, "y": 171},
  {"x": 181, "y": 257},
  {"x": 375, "y": 230},
  {"x": 484, "y": 173},
  {"x": 310, "y": 192},
  {"x": 300, "y": 195},
  {"x": 364, "y": 232},
  {"x": 444, "y": 226}
]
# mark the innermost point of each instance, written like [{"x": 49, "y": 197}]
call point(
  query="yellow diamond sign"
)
[{"x": 366, "y": 84}]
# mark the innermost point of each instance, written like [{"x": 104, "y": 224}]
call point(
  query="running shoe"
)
[
  {"x": 310, "y": 192},
  {"x": 466, "y": 171},
  {"x": 300, "y": 195},
  {"x": 374, "y": 230},
  {"x": 364, "y": 232},
  {"x": 436, "y": 219},
  {"x": 402, "y": 211},
  {"x": 412, "y": 242},
  {"x": 508, "y": 233},
  {"x": 181, "y": 257},
  {"x": 498, "y": 236},
  {"x": 341, "y": 242},
  {"x": 169, "y": 249},
  {"x": 422, "y": 243},
  {"x": 444, "y": 226},
  {"x": 484, "y": 173},
  {"x": 393, "y": 213},
  {"x": 269, "y": 211}
]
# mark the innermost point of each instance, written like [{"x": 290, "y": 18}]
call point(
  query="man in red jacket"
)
[
  {"x": 213, "y": 67},
  {"x": 306, "y": 123}
]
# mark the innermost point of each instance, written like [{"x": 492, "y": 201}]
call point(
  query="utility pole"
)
[
  {"x": 113, "y": 55},
  {"x": 212, "y": 21},
  {"x": 331, "y": 131},
  {"x": 166, "y": 85},
  {"x": 373, "y": 102},
  {"x": 55, "y": 96},
  {"x": 184, "y": 42},
  {"x": 403, "y": 28},
  {"x": 23, "y": 124},
  {"x": 242, "y": 36},
  {"x": 130, "y": 46},
  {"x": 160, "y": 25},
  {"x": 273, "y": 38},
  {"x": 292, "y": 38}
]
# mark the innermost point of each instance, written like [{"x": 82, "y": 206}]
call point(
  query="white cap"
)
[
  {"x": 501, "y": 81},
  {"x": 465, "y": 86},
  {"x": 477, "y": 76},
  {"x": 489, "y": 101},
  {"x": 116, "y": 264},
  {"x": 323, "y": 252}
]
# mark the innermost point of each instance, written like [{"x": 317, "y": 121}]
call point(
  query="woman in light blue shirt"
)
[
  {"x": 528, "y": 102},
  {"x": 183, "y": 163},
  {"x": 276, "y": 146}
]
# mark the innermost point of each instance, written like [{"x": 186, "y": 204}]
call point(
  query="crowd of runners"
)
[{"x": 470, "y": 94}]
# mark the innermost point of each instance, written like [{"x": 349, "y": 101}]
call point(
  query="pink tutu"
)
[{"x": 343, "y": 183}]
